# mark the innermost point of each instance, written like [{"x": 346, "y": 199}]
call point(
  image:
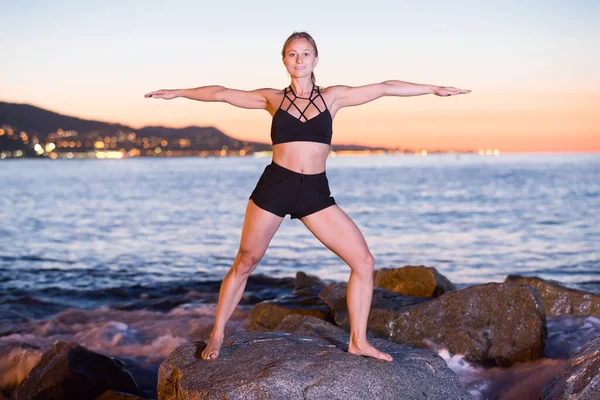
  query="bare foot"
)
[
  {"x": 365, "y": 349},
  {"x": 212, "y": 348}
]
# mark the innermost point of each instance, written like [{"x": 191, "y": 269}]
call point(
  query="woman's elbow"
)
[{"x": 219, "y": 93}]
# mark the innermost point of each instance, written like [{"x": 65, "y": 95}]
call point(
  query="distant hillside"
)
[
  {"x": 42, "y": 123},
  {"x": 38, "y": 121},
  {"x": 45, "y": 126}
]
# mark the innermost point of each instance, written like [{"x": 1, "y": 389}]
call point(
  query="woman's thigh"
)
[
  {"x": 258, "y": 230},
  {"x": 334, "y": 228}
]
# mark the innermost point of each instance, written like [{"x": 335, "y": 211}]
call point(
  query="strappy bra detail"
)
[{"x": 286, "y": 127}]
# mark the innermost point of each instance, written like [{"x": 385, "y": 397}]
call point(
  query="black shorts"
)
[{"x": 282, "y": 191}]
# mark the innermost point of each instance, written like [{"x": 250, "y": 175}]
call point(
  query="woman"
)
[{"x": 295, "y": 182}]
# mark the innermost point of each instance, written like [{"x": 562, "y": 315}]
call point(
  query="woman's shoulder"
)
[
  {"x": 332, "y": 90},
  {"x": 330, "y": 93}
]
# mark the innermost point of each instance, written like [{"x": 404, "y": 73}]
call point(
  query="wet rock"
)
[
  {"x": 267, "y": 315},
  {"x": 278, "y": 365},
  {"x": 16, "y": 362},
  {"x": 496, "y": 324},
  {"x": 69, "y": 371},
  {"x": 579, "y": 378},
  {"x": 560, "y": 300},
  {"x": 307, "y": 325},
  {"x": 420, "y": 281},
  {"x": 334, "y": 296}
]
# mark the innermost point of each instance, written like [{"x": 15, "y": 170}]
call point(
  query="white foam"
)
[{"x": 148, "y": 336}]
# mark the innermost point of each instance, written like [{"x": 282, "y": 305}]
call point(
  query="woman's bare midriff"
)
[{"x": 304, "y": 157}]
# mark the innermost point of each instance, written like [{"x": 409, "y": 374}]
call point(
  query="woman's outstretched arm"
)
[
  {"x": 346, "y": 96},
  {"x": 239, "y": 98}
]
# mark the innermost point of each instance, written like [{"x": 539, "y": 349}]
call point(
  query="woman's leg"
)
[
  {"x": 259, "y": 228},
  {"x": 339, "y": 233}
]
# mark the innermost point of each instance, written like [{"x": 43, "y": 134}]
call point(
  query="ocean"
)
[{"x": 136, "y": 248}]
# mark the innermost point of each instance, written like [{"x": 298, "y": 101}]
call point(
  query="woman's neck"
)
[{"x": 302, "y": 88}]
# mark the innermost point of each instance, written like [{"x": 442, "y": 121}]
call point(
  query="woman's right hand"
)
[{"x": 162, "y": 94}]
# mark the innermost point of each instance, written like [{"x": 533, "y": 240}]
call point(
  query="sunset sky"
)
[{"x": 533, "y": 67}]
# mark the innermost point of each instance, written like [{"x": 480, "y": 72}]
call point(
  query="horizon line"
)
[{"x": 336, "y": 144}]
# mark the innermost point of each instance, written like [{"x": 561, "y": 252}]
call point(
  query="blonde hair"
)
[{"x": 301, "y": 35}]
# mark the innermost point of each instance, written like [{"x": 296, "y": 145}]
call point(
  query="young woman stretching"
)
[{"x": 295, "y": 182}]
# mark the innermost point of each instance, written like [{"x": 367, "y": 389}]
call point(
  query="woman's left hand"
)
[{"x": 449, "y": 91}]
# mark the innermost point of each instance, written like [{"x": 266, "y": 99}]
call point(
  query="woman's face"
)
[{"x": 299, "y": 58}]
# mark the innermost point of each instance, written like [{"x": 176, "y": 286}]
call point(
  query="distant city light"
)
[{"x": 109, "y": 154}]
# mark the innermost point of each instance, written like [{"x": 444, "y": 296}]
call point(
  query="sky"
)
[{"x": 533, "y": 67}]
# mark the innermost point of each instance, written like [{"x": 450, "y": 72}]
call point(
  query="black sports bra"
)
[{"x": 285, "y": 127}]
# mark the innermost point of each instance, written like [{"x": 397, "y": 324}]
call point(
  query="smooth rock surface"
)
[
  {"x": 278, "y": 365},
  {"x": 419, "y": 281},
  {"x": 560, "y": 300},
  {"x": 579, "y": 378}
]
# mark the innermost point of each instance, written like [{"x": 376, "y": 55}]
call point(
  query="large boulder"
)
[
  {"x": 579, "y": 378},
  {"x": 560, "y": 300},
  {"x": 70, "y": 371},
  {"x": 278, "y": 365},
  {"x": 495, "y": 323},
  {"x": 419, "y": 281}
]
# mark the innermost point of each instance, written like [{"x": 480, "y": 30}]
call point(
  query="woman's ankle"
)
[{"x": 217, "y": 335}]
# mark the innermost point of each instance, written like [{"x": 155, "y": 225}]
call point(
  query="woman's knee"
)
[
  {"x": 246, "y": 261},
  {"x": 364, "y": 264}
]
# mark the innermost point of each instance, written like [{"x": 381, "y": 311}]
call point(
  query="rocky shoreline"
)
[{"x": 295, "y": 346}]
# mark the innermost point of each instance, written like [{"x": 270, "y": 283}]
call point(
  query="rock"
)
[
  {"x": 307, "y": 325},
  {"x": 497, "y": 324},
  {"x": 112, "y": 395},
  {"x": 278, "y": 365},
  {"x": 560, "y": 300},
  {"x": 334, "y": 297},
  {"x": 419, "y": 281},
  {"x": 16, "y": 362},
  {"x": 69, "y": 371},
  {"x": 579, "y": 378},
  {"x": 267, "y": 315},
  {"x": 304, "y": 281}
]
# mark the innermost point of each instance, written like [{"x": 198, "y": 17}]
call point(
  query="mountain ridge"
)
[{"x": 43, "y": 123}]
